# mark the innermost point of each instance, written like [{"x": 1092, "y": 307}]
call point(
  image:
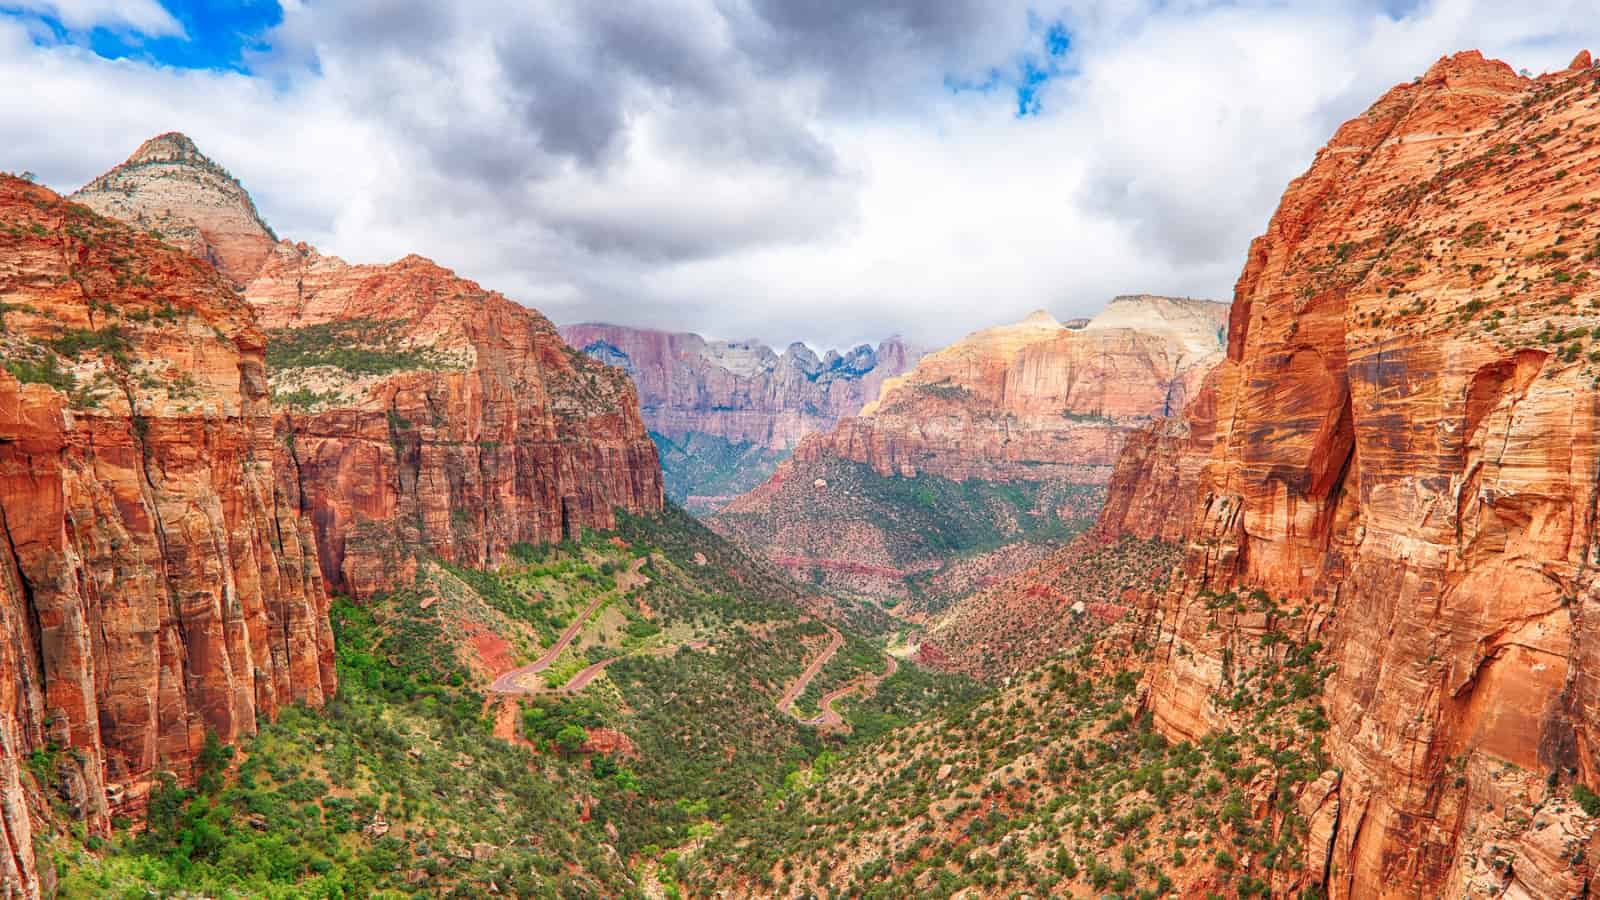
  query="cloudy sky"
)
[{"x": 824, "y": 170}]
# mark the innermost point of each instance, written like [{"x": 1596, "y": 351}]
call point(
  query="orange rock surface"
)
[
  {"x": 498, "y": 434},
  {"x": 169, "y": 187},
  {"x": 1036, "y": 399},
  {"x": 1038, "y": 408},
  {"x": 1407, "y": 448},
  {"x": 156, "y": 578},
  {"x": 1152, "y": 490},
  {"x": 417, "y": 412}
]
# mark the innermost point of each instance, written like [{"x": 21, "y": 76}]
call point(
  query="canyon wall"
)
[
  {"x": 742, "y": 391},
  {"x": 157, "y": 581},
  {"x": 725, "y": 413},
  {"x": 1405, "y": 470},
  {"x": 422, "y": 414},
  {"x": 1036, "y": 399},
  {"x": 985, "y": 457},
  {"x": 417, "y": 413}
]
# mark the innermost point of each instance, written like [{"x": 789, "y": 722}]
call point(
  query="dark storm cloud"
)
[{"x": 503, "y": 102}]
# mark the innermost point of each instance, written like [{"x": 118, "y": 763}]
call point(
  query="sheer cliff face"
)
[
  {"x": 742, "y": 391},
  {"x": 156, "y": 578},
  {"x": 1406, "y": 448},
  {"x": 417, "y": 412},
  {"x": 1036, "y": 399},
  {"x": 423, "y": 414}
]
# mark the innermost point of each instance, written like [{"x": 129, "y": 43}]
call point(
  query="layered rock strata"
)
[
  {"x": 1406, "y": 469},
  {"x": 1035, "y": 399},
  {"x": 418, "y": 414},
  {"x": 742, "y": 391},
  {"x": 1027, "y": 419},
  {"x": 157, "y": 580},
  {"x": 170, "y": 188},
  {"x": 425, "y": 416}
]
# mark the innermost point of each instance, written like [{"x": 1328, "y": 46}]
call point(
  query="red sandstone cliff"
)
[
  {"x": 417, "y": 412},
  {"x": 156, "y": 579},
  {"x": 741, "y": 390},
  {"x": 1116, "y": 570},
  {"x": 1152, "y": 490},
  {"x": 470, "y": 426},
  {"x": 1407, "y": 449}
]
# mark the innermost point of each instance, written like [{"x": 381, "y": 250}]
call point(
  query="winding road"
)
[
  {"x": 512, "y": 682},
  {"x": 786, "y": 703},
  {"x": 829, "y": 717},
  {"x": 582, "y": 679}
]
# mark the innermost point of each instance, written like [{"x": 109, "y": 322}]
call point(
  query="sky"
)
[{"x": 833, "y": 171}]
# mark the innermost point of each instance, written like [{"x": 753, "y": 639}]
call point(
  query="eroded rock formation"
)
[
  {"x": 170, "y": 188},
  {"x": 417, "y": 412},
  {"x": 1035, "y": 399},
  {"x": 1028, "y": 418},
  {"x": 423, "y": 414},
  {"x": 743, "y": 391},
  {"x": 1405, "y": 470},
  {"x": 157, "y": 581},
  {"x": 724, "y": 413}
]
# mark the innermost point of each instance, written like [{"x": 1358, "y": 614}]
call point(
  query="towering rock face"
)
[
  {"x": 423, "y": 414},
  {"x": 1118, "y": 570},
  {"x": 1035, "y": 399},
  {"x": 725, "y": 412},
  {"x": 157, "y": 581},
  {"x": 1153, "y": 487},
  {"x": 1010, "y": 433},
  {"x": 1407, "y": 450},
  {"x": 169, "y": 187},
  {"x": 417, "y": 413}
]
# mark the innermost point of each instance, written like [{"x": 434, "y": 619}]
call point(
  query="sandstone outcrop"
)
[
  {"x": 1407, "y": 455},
  {"x": 157, "y": 581},
  {"x": 170, "y": 188},
  {"x": 1152, "y": 491},
  {"x": 1027, "y": 419},
  {"x": 418, "y": 413},
  {"x": 1036, "y": 399},
  {"x": 423, "y": 414},
  {"x": 1117, "y": 570}
]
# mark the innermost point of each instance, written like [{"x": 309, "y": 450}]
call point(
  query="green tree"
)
[{"x": 570, "y": 738}]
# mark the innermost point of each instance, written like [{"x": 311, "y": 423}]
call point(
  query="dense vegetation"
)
[
  {"x": 1056, "y": 785},
  {"x": 416, "y": 780},
  {"x": 355, "y": 346},
  {"x": 708, "y": 466}
]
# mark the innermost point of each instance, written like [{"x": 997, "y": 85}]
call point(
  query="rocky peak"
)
[
  {"x": 174, "y": 146},
  {"x": 805, "y": 359},
  {"x": 1040, "y": 319},
  {"x": 170, "y": 188}
]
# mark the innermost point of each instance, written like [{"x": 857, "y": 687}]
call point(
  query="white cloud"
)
[{"x": 751, "y": 168}]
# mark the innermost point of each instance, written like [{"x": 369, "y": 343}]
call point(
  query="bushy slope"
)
[{"x": 421, "y": 779}]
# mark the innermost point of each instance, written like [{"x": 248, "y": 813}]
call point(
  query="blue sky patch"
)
[
  {"x": 1045, "y": 60},
  {"x": 216, "y": 34}
]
